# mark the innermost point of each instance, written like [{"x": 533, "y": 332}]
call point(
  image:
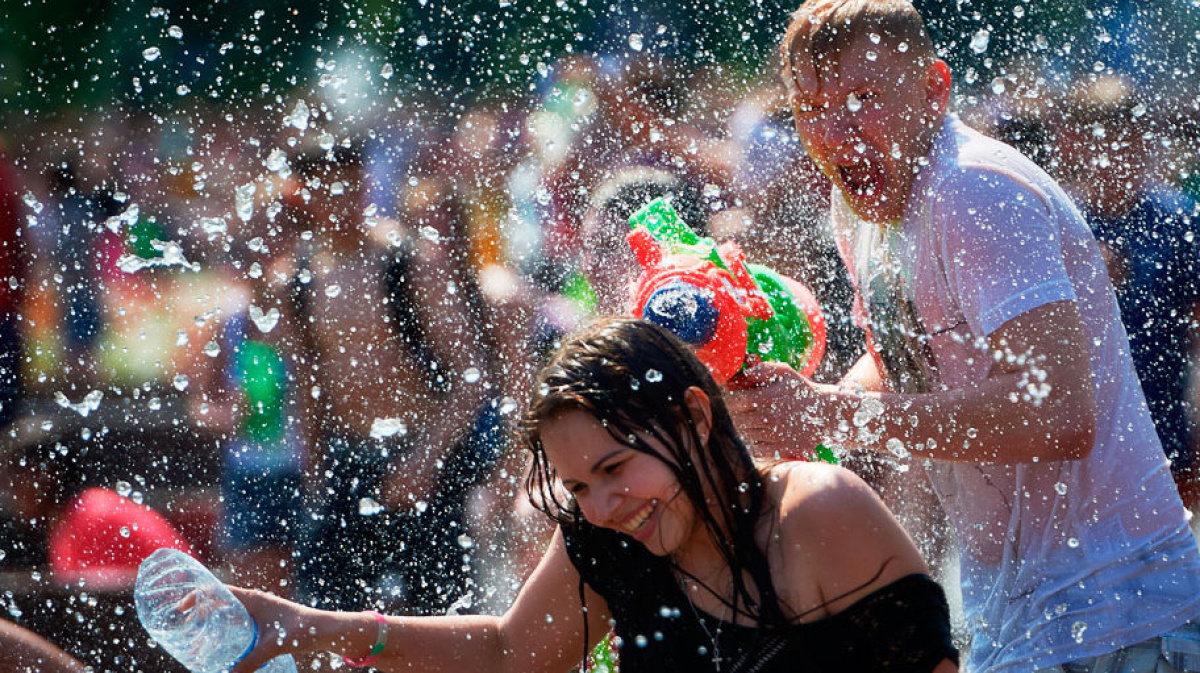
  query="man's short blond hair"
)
[{"x": 821, "y": 29}]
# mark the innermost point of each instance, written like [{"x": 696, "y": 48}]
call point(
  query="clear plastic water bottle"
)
[{"x": 213, "y": 633}]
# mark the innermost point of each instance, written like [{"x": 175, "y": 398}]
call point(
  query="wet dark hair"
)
[{"x": 631, "y": 376}]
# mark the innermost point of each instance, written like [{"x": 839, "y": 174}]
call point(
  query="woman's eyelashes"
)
[{"x": 614, "y": 467}]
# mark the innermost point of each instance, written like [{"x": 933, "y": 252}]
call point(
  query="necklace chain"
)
[{"x": 689, "y": 583}]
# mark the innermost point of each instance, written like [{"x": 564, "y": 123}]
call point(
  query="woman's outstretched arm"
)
[{"x": 543, "y": 631}]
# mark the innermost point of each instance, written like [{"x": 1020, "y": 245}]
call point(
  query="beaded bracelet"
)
[{"x": 377, "y": 648}]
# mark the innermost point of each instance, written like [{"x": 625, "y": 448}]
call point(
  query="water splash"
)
[
  {"x": 383, "y": 428},
  {"x": 87, "y": 405},
  {"x": 128, "y": 217},
  {"x": 172, "y": 255}
]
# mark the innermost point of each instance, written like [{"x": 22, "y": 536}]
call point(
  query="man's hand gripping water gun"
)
[{"x": 728, "y": 310}]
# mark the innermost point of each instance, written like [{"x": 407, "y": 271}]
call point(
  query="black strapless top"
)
[{"x": 901, "y": 627}]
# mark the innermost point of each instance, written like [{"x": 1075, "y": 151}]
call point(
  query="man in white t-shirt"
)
[{"x": 996, "y": 358}]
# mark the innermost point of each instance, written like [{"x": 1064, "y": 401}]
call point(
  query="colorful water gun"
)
[
  {"x": 711, "y": 298},
  {"x": 727, "y": 309}
]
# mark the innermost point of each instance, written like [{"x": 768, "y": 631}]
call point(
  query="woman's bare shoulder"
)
[{"x": 836, "y": 536}]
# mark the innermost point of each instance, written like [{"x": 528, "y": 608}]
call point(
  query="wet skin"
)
[{"x": 618, "y": 487}]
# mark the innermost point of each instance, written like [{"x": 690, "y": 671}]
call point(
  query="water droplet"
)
[
  {"x": 641, "y": 641},
  {"x": 868, "y": 410},
  {"x": 212, "y": 349},
  {"x": 388, "y": 427},
  {"x": 175, "y": 32},
  {"x": 465, "y": 541},
  {"x": 860, "y": 148},
  {"x": 853, "y": 103},
  {"x": 333, "y": 290},
  {"x": 277, "y": 160},
  {"x": 902, "y": 47},
  {"x": 422, "y": 41},
  {"x": 299, "y": 116},
  {"x": 183, "y": 90},
  {"x": 369, "y": 507},
  {"x": 87, "y": 405},
  {"x": 1060, "y": 488},
  {"x": 386, "y": 71},
  {"x": 154, "y": 403},
  {"x": 430, "y": 234},
  {"x": 213, "y": 226},
  {"x": 181, "y": 338},
  {"x": 875, "y": 38},
  {"x": 1019, "y": 11},
  {"x": 1077, "y": 630},
  {"x": 998, "y": 86},
  {"x": 653, "y": 376},
  {"x": 872, "y": 56},
  {"x": 125, "y": 531},
  {"x": 979, "y": 41},
  {"x": 635, "y": 41},
  {"x": 471, "y": 375},
  {"x": 123, "y": 488},
  {"x": 897, "y": 449},
  {"x": 326, "y": 141},
  {"x": 151, "y": 53},
  {"x": 1073, "y": 542},
  {"x": 243, "y": 197},
  {"x": 265, "y": 322},
  {"x": 180, "y": 382},
  {"x": 1139, "y": 110}
]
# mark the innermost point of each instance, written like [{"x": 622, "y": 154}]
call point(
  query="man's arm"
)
[{"x": 1037, "y": 402}]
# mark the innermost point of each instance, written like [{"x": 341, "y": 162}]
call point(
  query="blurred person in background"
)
[
  {"x": 391, "y": 359},
  {"x": 639, "y": 102},
  {"x": 247, "y": 393},
  {"x": 1143, "y": 224},
  {"x": 605, "y": 257},
  {"x": 77, "y": 215}
]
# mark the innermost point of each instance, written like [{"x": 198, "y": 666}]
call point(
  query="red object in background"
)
[
  {"x": 103, "y": 537},
  {"x": 13, "y": 259}
]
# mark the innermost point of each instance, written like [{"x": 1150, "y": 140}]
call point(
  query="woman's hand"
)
[{"x": 284, "y": 627}]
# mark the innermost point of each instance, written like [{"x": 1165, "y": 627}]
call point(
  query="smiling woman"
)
[
  {"x": 670, "y": 535},
  {"x": 740, "y": 566}
]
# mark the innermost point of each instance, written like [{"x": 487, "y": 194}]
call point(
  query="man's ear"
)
[
  {"x": 938, "y": 84},
  {"x": 699, "y": 408}
]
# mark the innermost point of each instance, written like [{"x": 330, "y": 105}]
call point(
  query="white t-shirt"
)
[{"x": 1060, "y": 559}]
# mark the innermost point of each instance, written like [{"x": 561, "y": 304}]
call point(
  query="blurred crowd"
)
[{"x": 331, "y": 318}]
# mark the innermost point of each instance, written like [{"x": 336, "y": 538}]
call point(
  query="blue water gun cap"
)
[{"x": 685, "y": 310}]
